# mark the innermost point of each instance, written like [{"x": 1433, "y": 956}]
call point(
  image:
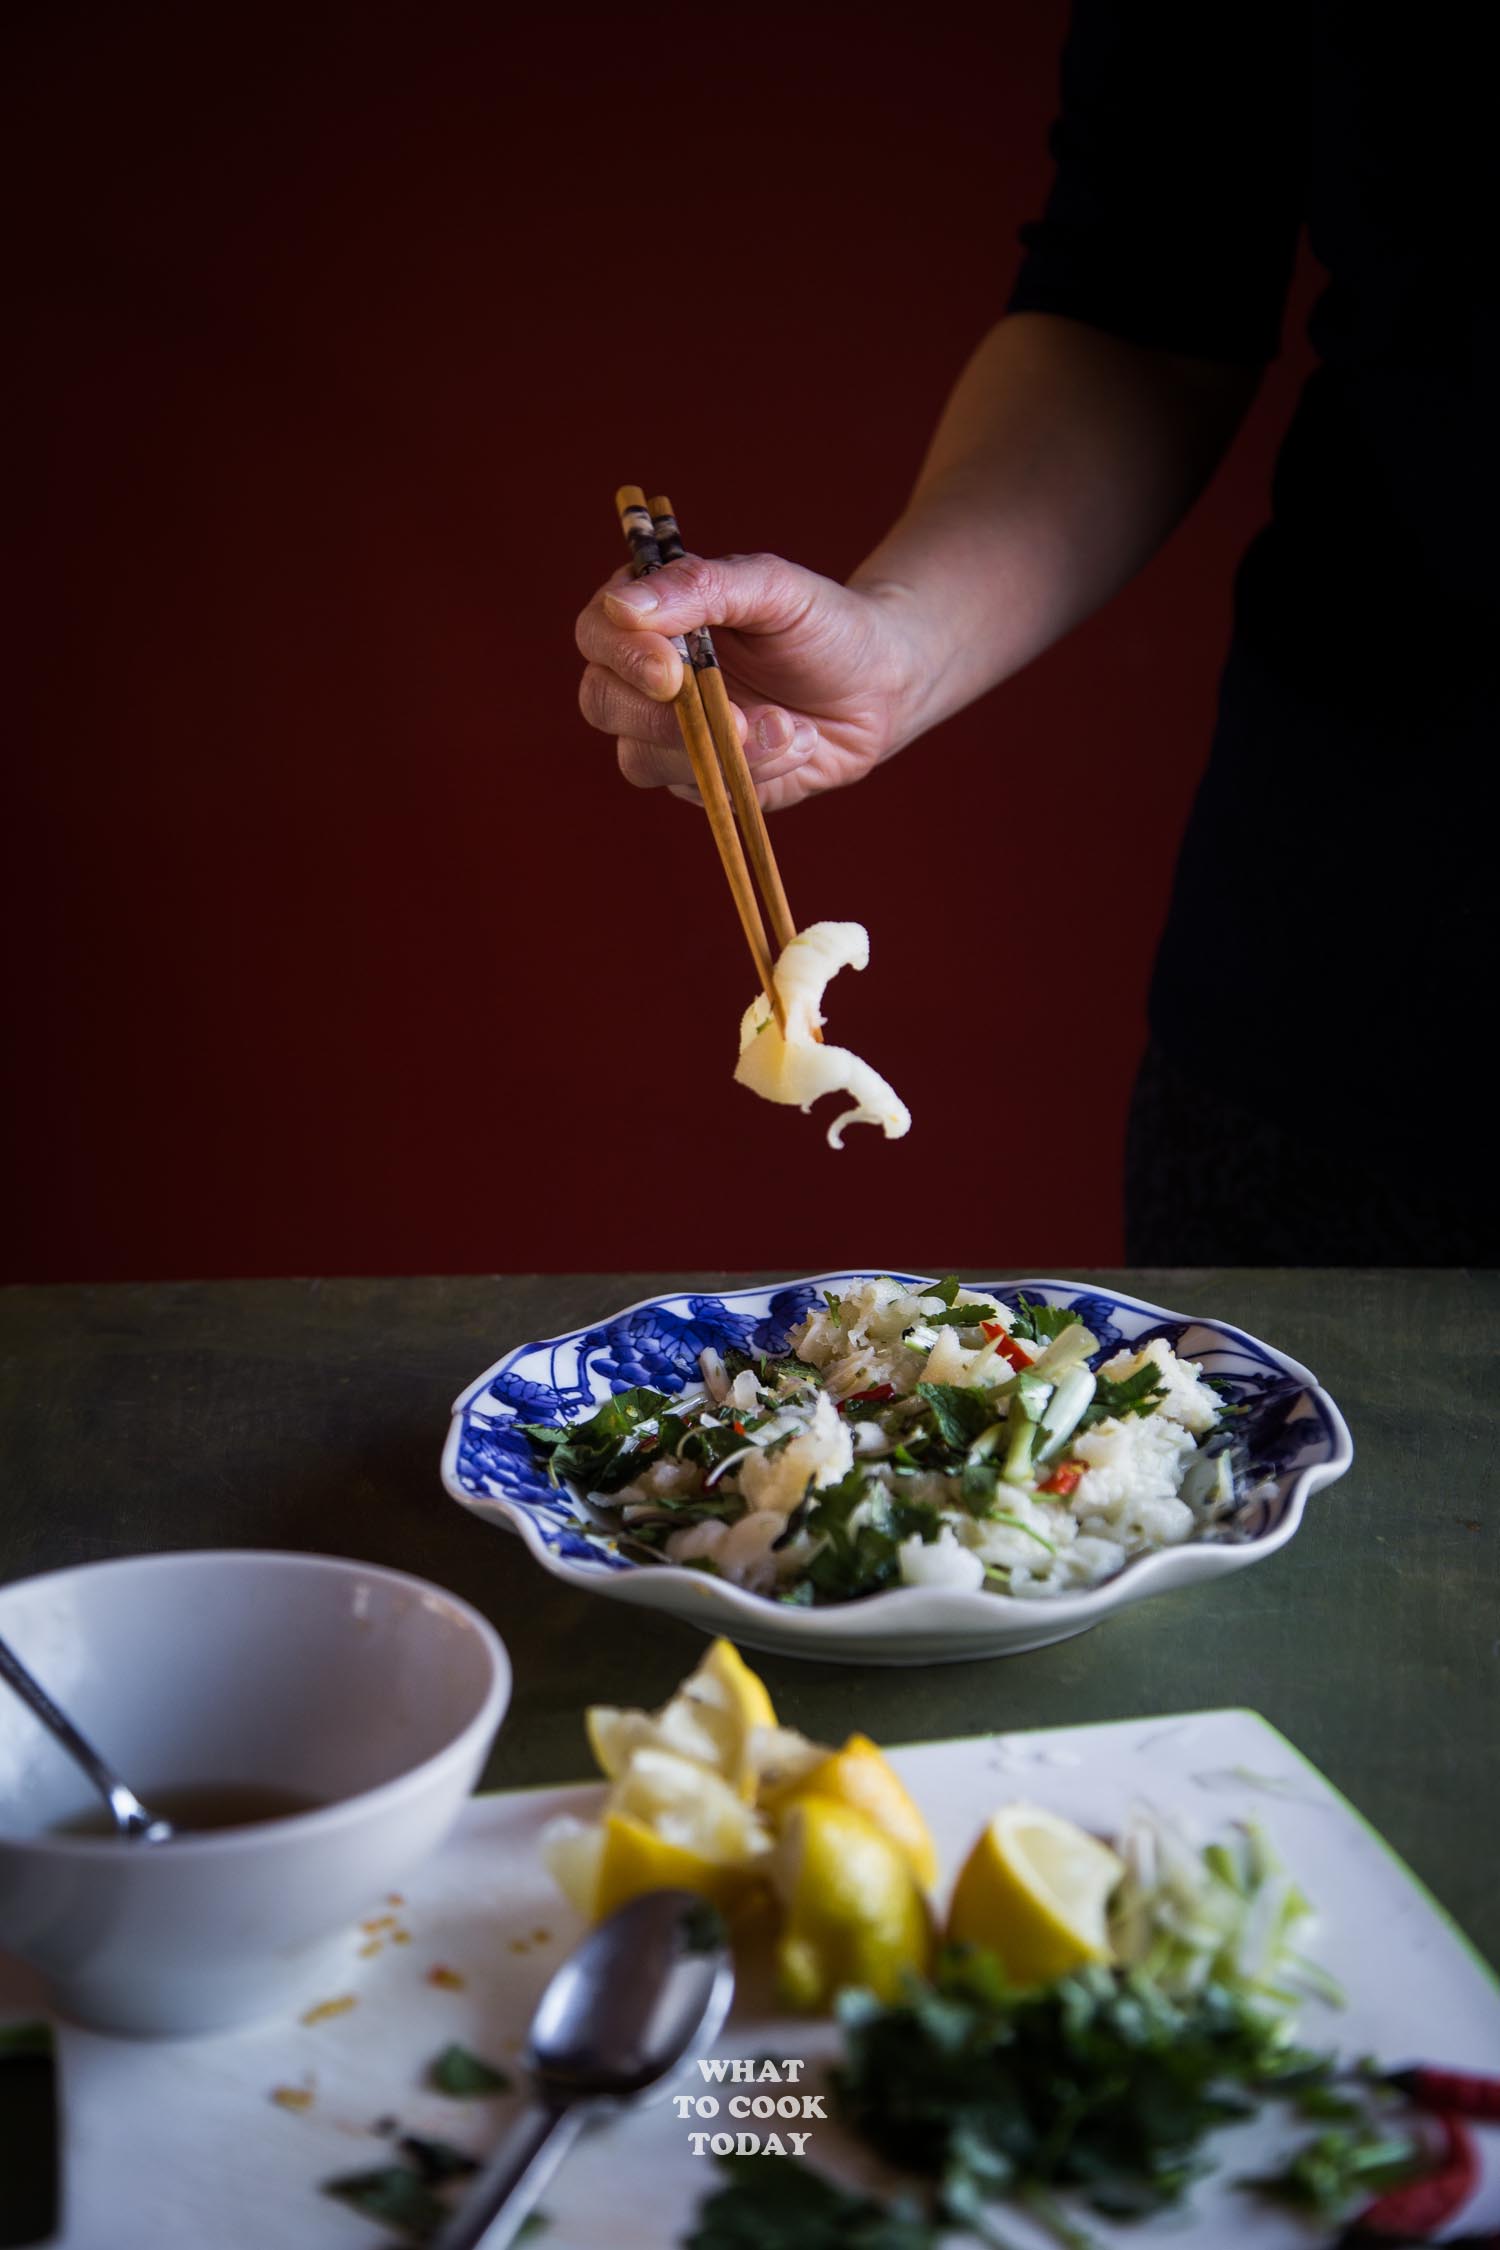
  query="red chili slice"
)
[
  {"x": 1064, "y": 1479},
  {"x": 1464, "y": 2093},
  {"x": 1423, "y": 2205},
  {"x": 1005, "y": 1344},
  {"x": 880, "y": 1393}
]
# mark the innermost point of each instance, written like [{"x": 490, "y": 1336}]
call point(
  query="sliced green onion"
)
[
  {"x": 1065, "y": 1351},
  {"x": 1027, "y": 1403},
  {"x": 984, "y": 1445},
  {"x": 1065, "y": 1411}
]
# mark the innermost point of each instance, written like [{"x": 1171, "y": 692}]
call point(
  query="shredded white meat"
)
[{"x": 795, "y": 1066}]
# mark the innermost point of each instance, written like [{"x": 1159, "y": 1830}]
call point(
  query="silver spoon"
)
[
  {"x": 652, "y": 1982},
  {"x": 131, "y": 1817}
]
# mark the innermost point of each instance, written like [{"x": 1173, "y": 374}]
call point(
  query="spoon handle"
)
[
  {"x": 507, "y": 2189},
  {"x": 127, "y": 1808}
]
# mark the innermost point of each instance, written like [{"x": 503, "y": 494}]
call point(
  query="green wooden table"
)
[{"x": 311, "y": 1414}]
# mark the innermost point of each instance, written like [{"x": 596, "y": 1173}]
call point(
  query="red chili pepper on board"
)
[
  {"x": 738, "y": 1426},
  {"x": 1005, "y": 1344},
  {"x": 1064, "y": 1479},
  {"x": 1464, "y": 2093},
  {"x": 1423, "y": 2205},
  {"x": 880, "y": 1393}
]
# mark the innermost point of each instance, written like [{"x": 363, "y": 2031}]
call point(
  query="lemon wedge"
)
[
  {"x": 635, "y": 1859},
  {"x": 668, "y": 1823},
  {"x": 1033, "y": 1891},
  {"x": 686, "y": 1804},
  {"x": 853, "y": 1913},
  {"x": 598, "y": 1865},
  {"x": 781, "y": 1756},
  {"x": 712, "y": 1719},
  {"x": 712, "y": 1794},
  {"x": 859, "y": 1775}
]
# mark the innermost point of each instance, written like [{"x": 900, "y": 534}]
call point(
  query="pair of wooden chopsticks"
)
[{"x": 712, "y": 742}]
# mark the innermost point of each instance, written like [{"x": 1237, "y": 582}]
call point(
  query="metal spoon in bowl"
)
[
  {"x": 625, "y": 2008},
  {"x": 131, "y": 1817}
]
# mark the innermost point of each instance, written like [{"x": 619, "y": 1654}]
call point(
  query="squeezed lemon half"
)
[
  {"x": 862, "y": 1777},
  {"x": 1034, "y": 1891},
  {"x": 679, "y": 1814},
  {"x": 668, "y": 1824},
  {"x": 853, "y": 1913},
  {"x": 711, "y": 1719}
]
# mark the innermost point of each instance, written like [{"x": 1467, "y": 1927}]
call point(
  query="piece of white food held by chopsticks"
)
[{"x": 795, "y": 1066}]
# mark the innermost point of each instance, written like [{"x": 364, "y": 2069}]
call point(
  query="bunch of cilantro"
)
[
  {"x": 1100, "y": 2089},
  {"x": 1099, "y": 2083}
]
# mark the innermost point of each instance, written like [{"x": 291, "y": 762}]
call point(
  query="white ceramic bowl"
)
[
  {"x": 1296, "y": 1436},
  {"x": 373, "y": 1692}
]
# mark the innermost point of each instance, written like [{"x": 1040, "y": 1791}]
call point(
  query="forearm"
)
[{"x": 1063, "y": 460}]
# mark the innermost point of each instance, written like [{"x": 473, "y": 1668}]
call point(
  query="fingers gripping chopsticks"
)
[{"x": 711, "y": 739}]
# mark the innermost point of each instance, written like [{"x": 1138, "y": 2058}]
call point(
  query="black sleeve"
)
[{"x": 1173, "y": 216}]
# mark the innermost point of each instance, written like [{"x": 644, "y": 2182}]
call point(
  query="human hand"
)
[{"x": 816, "y": 672}]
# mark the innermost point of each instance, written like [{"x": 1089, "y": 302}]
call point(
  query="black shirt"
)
[{"x": 1328, "y": 948}]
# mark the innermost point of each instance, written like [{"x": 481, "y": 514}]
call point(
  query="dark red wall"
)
[{"x": 342, "y": 948}]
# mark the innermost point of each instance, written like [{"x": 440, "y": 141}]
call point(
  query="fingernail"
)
[
  {"x": 804, "y": 735},
  {"x": 638, "y": 601},
  {"x": 774, "y": 730},
  {"x": 658, "y": 675}
]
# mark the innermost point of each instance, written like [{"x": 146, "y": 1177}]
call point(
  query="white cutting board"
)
[{"x": 177, "y": 2145}]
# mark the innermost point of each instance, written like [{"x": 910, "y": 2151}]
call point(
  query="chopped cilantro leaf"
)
[
  {"x": 708, "y": 1447},
  {"x": 456, "y": 2071},
  {"x": 960, "y": 1410},
  {"x": 1136, "y": 1394},
  {"x": 1039, "y": 1323},
  {"x": 978, "y": 1485},
  {"x": 851, "y": 1562},
  {"x": 911, "y": 1517},
  {"x": 395, "y": 2195},
  {"x": 619, "y": 1415},
  {"x": 545, "y": 1437},
  {"x": 671, "y": 1429},
  {"x": 597, "y": 1454},
  {"x": 833, "y": 1507},
  {"x": 852, "y": 1565},
  {"x": 436, "y": 2160},
  {"x": 785, "y": 2203}
]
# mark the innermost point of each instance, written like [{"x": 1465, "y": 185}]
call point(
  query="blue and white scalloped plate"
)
[{"x": 1297, "y": 1439}]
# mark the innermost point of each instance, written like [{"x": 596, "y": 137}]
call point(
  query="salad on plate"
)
[{"x": 917, "y": 1437}]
